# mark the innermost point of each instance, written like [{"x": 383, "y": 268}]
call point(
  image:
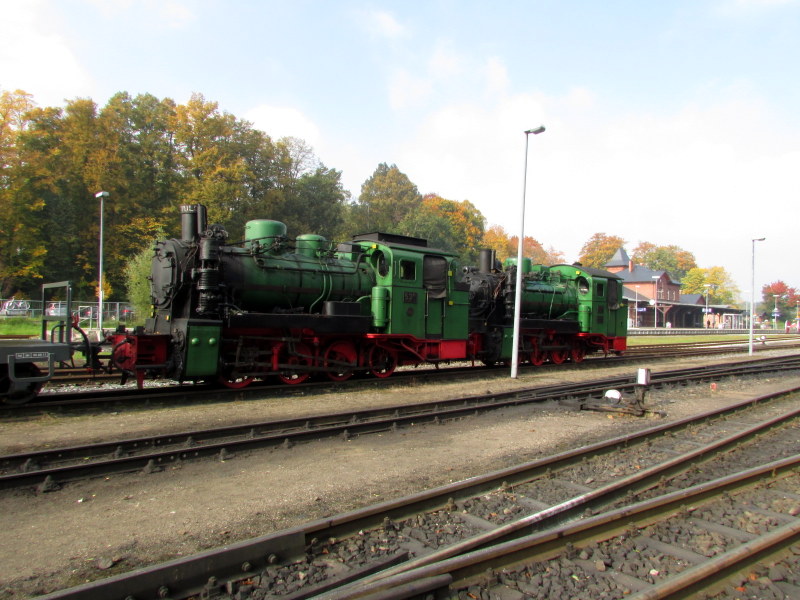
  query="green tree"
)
[
  {"x": 315, "y": 204},
  {"x": 137, "y": 282},
  {"x": 386, "y": 198},
  {"x": 599, "y": 249}
]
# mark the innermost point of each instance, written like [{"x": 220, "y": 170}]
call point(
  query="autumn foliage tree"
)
[
  {"x": 151, "y": 155},
  {"x": 447, "y": 224},
  {"x": 599, "y": 249},
  {"x": 779, "y": 294},
  {"x": 714, "y": 281},
  {"x": 506, "y": 246},
  {"x": 674, "y": 260}
]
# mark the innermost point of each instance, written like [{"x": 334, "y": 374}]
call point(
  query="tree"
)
[
  {"x": 137, "y": 282},
  {"x": 505, "y": 246},
  {"x": 386, "y": 198},
  {"x": 22, "y": 250},
  {"x": 721, "y": 287},
  {"x": 786, "y": 301},
  {"x": 150, "y": 155},
  {"x": 672, "y": 259},
  {"x": 447, "y": 224},
  {"x": 599, "y": 249},
  {"x": 495, "y": 238},
  {"x": 316, "y": 203}
]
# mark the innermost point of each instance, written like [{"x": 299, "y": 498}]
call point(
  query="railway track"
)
[
  {"x": 172, "y": 392},
  {"x": 49, "y": 468},
  {"x": 662, "y": 509}
]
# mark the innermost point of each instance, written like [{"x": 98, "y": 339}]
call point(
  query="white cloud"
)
[
  {"x": 444, "y": 62},
  {"x": 746, "y": 8},
  {"x": 496, "y": 75},
  {"x": 169, "y": 14},
  {"x": 284, "y": 121},
  {"x": 36, "y": 57},
  {"x": 701, "y": 177},
  {"x": 408, "y": 91},
  {"x": 176, "y": 15},
  {"x": 382, "y": 24}
]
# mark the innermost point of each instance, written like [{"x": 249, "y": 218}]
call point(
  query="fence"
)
[{"x": 85, "y": 311}]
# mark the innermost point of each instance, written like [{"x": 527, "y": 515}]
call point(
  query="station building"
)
[{"x": 655, "y": 300}]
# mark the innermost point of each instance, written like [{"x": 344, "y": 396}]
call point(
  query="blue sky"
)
[{"x": 672, "y": 122}]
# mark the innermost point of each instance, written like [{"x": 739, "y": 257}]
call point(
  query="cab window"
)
[{"x": 408, "y": 270}]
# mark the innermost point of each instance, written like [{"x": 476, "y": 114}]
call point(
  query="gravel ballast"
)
[{"x": 93, "y": 529}]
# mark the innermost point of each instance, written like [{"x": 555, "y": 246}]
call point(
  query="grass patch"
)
[
  {"x": 20, "y": 326},
  {"x": 649, "y": 340}
]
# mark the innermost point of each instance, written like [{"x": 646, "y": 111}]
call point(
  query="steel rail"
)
[
  {"x": 572, "y": 508},
  {"x": 47, "y": 468},
  {"x": 203, "y": 392},
  {"x": 540, "y": 546},
  {"x": 249, "y": 557},
  {"x": 34, "y": 468}
]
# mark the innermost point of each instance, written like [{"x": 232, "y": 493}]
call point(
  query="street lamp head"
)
[
  {"x": 101, "y": 195},
  {"x": 759, "y": 239},
  {"x": 536, "y": 130}
]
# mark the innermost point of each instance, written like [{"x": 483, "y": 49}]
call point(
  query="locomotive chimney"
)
[
  {"x": 193, "y": 221},
  {"x": 486, "y": 260},
  {"x": 189, "y": 222}
]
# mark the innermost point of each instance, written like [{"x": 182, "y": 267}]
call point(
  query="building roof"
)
[
  {"x": 620, "y": 259},
  {"x": 693, "y": 298},
  {"x": 639, "y": 274}
]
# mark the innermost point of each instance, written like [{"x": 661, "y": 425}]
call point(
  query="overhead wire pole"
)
[{"x": 518, "y": 287}]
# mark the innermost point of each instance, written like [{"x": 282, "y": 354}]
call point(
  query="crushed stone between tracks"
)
[{"x": 97, "y": 528}]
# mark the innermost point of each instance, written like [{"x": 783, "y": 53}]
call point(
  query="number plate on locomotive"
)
[{"x": 32, "y": 355}]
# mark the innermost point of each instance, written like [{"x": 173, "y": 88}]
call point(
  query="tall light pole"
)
[
  {"x": 102, "y": 196},
  {"x": 752, "y": 291},
  {"x": 636, "y": 309},
  {"x": 518, "y": 290},
  {"x": 775, "y": 312},
  {"x": 708, "y": 289},
  {"x": 655, "y": 301}
]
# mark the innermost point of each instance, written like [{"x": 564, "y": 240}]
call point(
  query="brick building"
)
[{"x": 655, "y": 299}]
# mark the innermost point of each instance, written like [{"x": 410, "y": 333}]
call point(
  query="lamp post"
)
[
  {"x": 518, "y": 289},
  {"x": 102, "y": 196},
  {"x": 655, "y": 301},
  {"x": 775, "y": 312},
  {"x": 752, "y": 291},
  {"x": 708, "y": 289},
  {"x": 636, "y": 309}
]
